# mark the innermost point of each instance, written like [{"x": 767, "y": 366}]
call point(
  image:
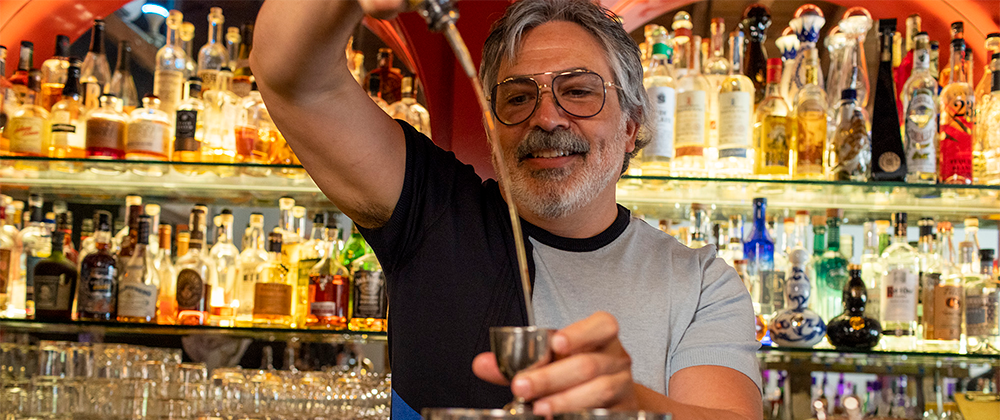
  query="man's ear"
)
[{"x": 632, "y": 131}]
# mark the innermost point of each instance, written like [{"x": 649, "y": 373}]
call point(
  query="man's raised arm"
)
[{"x": 350, "y": 147}]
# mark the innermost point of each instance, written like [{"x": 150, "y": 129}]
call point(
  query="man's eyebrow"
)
[{"x": 518, "y": 76}]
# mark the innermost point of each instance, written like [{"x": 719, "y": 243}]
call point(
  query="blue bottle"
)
[{"x": 758, "y": 250}]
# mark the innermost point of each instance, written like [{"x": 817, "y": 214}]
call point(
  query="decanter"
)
[
  {"x": 853, "y": 330},
  {"x": 797, "y": 325}
]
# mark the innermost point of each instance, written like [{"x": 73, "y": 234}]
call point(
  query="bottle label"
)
[
  {"x": 187, "y": 126},
  {"x": 4, "y": 268},
  {"x": 774, "y": 147},
  {"x": 370, "y": 299},
  {"x": 168, "y": 85},
  {"x": 981, "y": 315},
  {"x": 272, "y": 299},
  {"x": 91, "y": 94},
  {"x": 53, "y": 293},
  {"x": 691, "y": 124},
  {"x": 149, "y": 137},
  {"x": 190, "y": 290},
  {"x": 947, "y": 312},
  {"x": 900, "y": 303},
  {"x": 326, "y": 291},
  {"x": 921, "y": 132},
  {"x": 810, "y": 139},
  {"x": 25, "y": 134},
  {"x": 209, "y": 79},
  {"x": 889, "y": 162},
  {"x": 137, "y": 300},
  {"x": 735, "y": 110},
  {"x": 64, "y": 132},
  {"x": 664, "y": 105},
  {"x": 98, "y": 290},
  {"x": 956, "y": 143},
  {"x": 105, "y": 134}
]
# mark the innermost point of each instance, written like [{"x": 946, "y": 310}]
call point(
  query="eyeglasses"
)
[{"x": 581, "y": 93}]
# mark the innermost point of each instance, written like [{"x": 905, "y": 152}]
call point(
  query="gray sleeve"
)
[{"x": 721, "y": 333}]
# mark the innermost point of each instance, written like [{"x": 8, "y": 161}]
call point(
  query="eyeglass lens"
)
[{"x": 580, "y": 94}]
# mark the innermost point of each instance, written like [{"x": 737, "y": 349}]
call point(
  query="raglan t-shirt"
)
[{"x": 448, "y": 255}]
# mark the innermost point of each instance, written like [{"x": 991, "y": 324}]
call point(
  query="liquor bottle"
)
[
  {"x": 186, "y": 43},
  {"x": 982, "y": 303},
  {"x": 255, "y": 134},
  {"x": 354, "y": 248},
  {"x": 196, "y": 274},
  {"x": 679, "y": 41},
  {"x": 733, "y": 250},
  {"x": 374, "y": 91},
  {"x": 771, "y": 130},
  {"x": 171, "y": 65},
  {"x": 148, "y": 137},
  {"x": 920, "y": 101},
  {"x": 273, "y": 292},
  {"x": 659, "y": 84},
  {"x": 370, "y": 304},
  {"x": 904, "y": 71},
  {"x": 970, "y": 226},
  {"x": 98, "y": 292},
  {"x": 55, "y": 283},
  {"x": 189, "y": 129},
  {"x": 693, "y": 111},
  {"x": 797, "y": 325},
  {"x": 735, "y": 117},
  {"x": 788, "y": 46},
  {"x": 717, "y": 69},
  {"x": 756, "y": 20},
  {"x": 19, "y": 80},
  {"x": 807, "y": 22},
  {"x": 212, "y": 57},
  {"x": 31, "y": 245},
  {"x": 983, "y": 88},
  {"x": 122, "y": 85},
  {"x": 122, "y": 238},
  {"x": 409, "y": 110},
  {"x": 871, "y": 269},
  {"x": 183, "y": 240},
  {"x": 390, "y": 78},
  {"x": 95, "y": 72},
  {"x": 242, "y": 74},
  {"x": 139, "y": 281},
  {"x": 27, "y": 131},
  {"x": 888, "y": 163},
  {"x": 957, "y": 108},
  {"x": 233, "y": 40},
  {"x": 254, "y": 254},
  {"x": 759, "y": 253},
  {"x": 329, "y": 288},
  {"x": 942, "y": 290},
  {"x": 166, "y": 301},
  {"x": 105, "y": 136},
  {"x": 985, "y": 127},
  {"x": 66, "y": 138},
  {"x": 990, "y": 129},
  {"x": 7, "y": 261},
  {"x": 221, "y": 108},
  {"x": 848, "y": 153},
  {"x": 900, "y": 282},
  {"x": 856, "y": 22},
  {"x": 957, "y": 30},
  {"x": 700, "y": 222},
  {"x": 854, "y": 329},
  {"x": 831, "y": 272},
  {"x": 224, "y": 255},
  {"x": 7, "y": 102},
  {"x": 54, "y": 74},
  {"x": 810, "y": 120},
  {"x": 64, "y": 224}
]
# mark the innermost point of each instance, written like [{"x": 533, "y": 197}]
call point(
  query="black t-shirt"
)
[{"x": 451, "y": 267}]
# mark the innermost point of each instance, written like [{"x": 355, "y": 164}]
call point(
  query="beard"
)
[{"x": 553, "y": 193}]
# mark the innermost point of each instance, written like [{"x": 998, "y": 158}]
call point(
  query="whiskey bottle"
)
[
  {"x": 55, "y": 283},
  {"x": 253, "y": 255},
  {"x": 390, "y": 78},
  {"x": 848, "y": 155},
  {"x": 900, "y": 282},
  {"x": 756, "y": 20},
  {"x": 329, "y": 289},
  {"x": 810, "y": 121},
  {"x": 66, "y": 132},
  {"x": 273, "y": 292},
  {"x": 982, "y": 304},
  {"x": 95, "y": 72},
  {"x": 148, "y": 137},
  {"x": 139, "y": 282},
  {"x": 122, "y": 85},
  {"x": 853, "y": 329},
  {"x": 942, "y": 290},
  {"x": 196, "y": 274},
  {"x": 19, "y": 80},
  {"x": 189, "y": 129},
  {"x": 370, "y": 306},
  {"x": 105, "y": 137},
  {"x": 758, "y": 250},
  {"x": 212, "y": 57},
  {"x": 255, "y": 134},
  {"x": 171, "y": 66},
  {"x": 888, "y": 157},
  {"x": 166, "y": 305},
  {"x": 26, "y": 129},
  {"x": 64, "y": 224},
  {"x": 98, "y": 292},
  {"x": 659, "y": 84},
  {"x": 920, "y": 102},
  {"x": 957, "y": 108},
  {"x": 772, "y": 131},
  {"x": 54, "y": 74},
  {"x": 694, "y": 105}
]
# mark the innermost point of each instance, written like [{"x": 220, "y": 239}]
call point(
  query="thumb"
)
[
  {"x": 485, "y": 367},
  {"x": 383, "y": 9}
]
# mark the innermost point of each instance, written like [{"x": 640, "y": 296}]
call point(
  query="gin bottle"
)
[
  {"x": 756, "y": 20},
  {"x": 212, "y": 57},
  {"x": 810, "y": 121},
  {"x": 888, "y": 162},
  {"x": 95, "y": 72},
  {"x": 274, "y": 290},
  {"x": 98, "y": 291},
  {"x": 659, "y": 83},
  {"x": 55, "y": 283},
  {"x": 253, "y": 255},
  {"x": 171, "y": 66},
  {"x": 900, "y": 282},
  {"x": 942, "y": 290},
  {"x": 370, "y": 305},
  {"x": 196, "y": 274},
  {"x": 920, "y": 102},
  {"x": 831, "y": 275},
  {"x": 224, "y": 256},
  {"x": 982, "y": 304},
  {"x": 736, "y": 93},
  {"x": 758, "y": 250},
  {"x": 848, "y": 154},
  {"x": 853, "y": 329},
  {"x": 139, "y": 281},
  {"x": 772, "y": 131},
  {"x": 957, "y": 108}
]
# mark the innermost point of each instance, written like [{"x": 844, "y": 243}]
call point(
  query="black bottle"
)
[
  {"x": 756, "y": 20},
  {"x": 888, "y": 157},
  {"x": 97, "y": 298},
  {"x": 852, "y": 330},
  {"x": 55, "y": 283}
]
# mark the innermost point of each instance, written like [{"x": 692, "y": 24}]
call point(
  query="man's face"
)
[{"x": 559, "y": 163}]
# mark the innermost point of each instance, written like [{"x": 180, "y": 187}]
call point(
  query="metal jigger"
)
[{"x": 518, "y": 349}]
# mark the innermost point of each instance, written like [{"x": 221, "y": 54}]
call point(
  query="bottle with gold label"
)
[
  {"x": 274, "y": 290},
  {"x": 370, "y": 306},
  {"x": 28, "y": 132},
  {"x": 189, "y": 129},
  {"x": 105, "y": 137},
  {"x": 66, "y": 138},
  {"x": 810, "y": 121},
  {"x": 196, "y": 274},
  {"x": 771, "y": 129},
  {"x": 148, "y": 137}
]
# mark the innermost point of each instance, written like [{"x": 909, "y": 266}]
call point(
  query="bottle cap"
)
[
  {"x": 802, "y": 212},
  {"x": 660, "y": 49},
  {"x": 835, "y": 213},
  {"x": 274, "y": 242},
  {"x": 986, "y": 254},
  {"x": 854, "y": 267},
  {"x": 774, "y": 70},
  {"x": 103, "y": 220},
  {"x": 819, "y": 220},
  {"x": 144, "y": 222}
]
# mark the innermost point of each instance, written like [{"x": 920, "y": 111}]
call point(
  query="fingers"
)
[
  {"x": 383, "y": 9},
  {"x": 485, "y": 367},
  {"x": 591, "y": 333},
  {"x": 609, "y": 391},
  {"x": 569, "y": 372}
]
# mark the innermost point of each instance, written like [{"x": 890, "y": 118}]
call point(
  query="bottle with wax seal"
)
[
  {"x": 853, "y": 330},
  {"x": 797, "y": 325}
]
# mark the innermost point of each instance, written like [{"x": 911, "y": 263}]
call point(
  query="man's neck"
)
[{"x": 587, "y": 222}]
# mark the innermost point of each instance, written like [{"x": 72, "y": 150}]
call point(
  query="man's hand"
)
[
  {"x": 591, "y": 370},
  {"x": 383, "y": 9}
]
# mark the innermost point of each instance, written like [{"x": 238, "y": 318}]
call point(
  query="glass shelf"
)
[
  {"x": 871, "y": 361},
  {"x": 657, "y": 195},
  {"x": 122, "y": 329}
]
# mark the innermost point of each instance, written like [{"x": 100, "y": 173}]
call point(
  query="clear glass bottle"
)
[
  {"x": 221, "y": 109},
  {"x": 659, "y": 84},
  {"x": 196, "y": 274},
  {"x": 370, "y": 303},
  {"x": 810, "y": 120},
  {"x": 212, "y": 57},
  {"x": 105, "y": 137},
  {"x": 990, "y": 129},
  {"x": 807, "y": 23},
  {"x": 856, "y": 22},
  {"x": 166, "y": 307},
  {"x": 904, "y": 70},
  {"x": 716, "y": 69},
  {"x": 95, "y": 72},
  {"x": 31, "y": 245},
  {"x": 255, "y": 134},
  {"x": 329, "y": 289},
  {"x": 233, "y": 40},
  {"x": 984, "y": 87},
  {"x": 831, "y": 273},
  {"x": 735, "y": 117},
  {"x": 772, "y": 130},
  {"x": 139, "y": 281},
  {"x": 171, "y": 66},
  {"x": 148, "y": 137},
  {"x": 848, "y": 155},
  {"x": 888, "y": 156},
  {"x": 274, "y": 290},
  {"x": 982, "y": 304},
  {"x": 409, "y": 110},
  {"x": 942, "y": 290},
  {"x": 756, "y": 20},
  {"x": 253, "y": 255},
  {"x": 98, "y": 291},
  {"x": 920, "y": 109},
  {"x": 224, "y": 255},
  {"x": 242, "y": 74},
  {"x": 758, "y": 250},
  {"x": 54, "y": 74},
  {"x": 189, "y": 129},
  {"x": 693, "y": 114},
  {"x": 788, "y": 46},
  {"x": 900, "y": 283},
  {"x": 7, "y": 261},
  {"x": 55, "y": 283},
  {"x": 871, "y": 269},
  {"x": 122, "y": 85},
  {"x": 186, "y": 43},
  {"x": 957, "y": 109},
  {"x": 700, "y": 225}
]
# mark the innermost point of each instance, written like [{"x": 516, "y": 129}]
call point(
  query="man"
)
[{"x": 641, "y": 316}]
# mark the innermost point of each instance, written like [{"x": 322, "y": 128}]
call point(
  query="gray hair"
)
[{"x": 620, "y": 50}]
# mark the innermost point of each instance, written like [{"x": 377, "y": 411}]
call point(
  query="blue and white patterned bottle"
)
[{"x": 797, "y": 325}]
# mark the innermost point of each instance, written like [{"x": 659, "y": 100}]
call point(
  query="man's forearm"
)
[{"x": 653, "y": 401}]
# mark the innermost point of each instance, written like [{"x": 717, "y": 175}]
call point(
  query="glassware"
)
[
  {"x": 55, "y": 283},
  {"x": 659, "y": 84},
  {"x": 95, "y": 72},
  {"x": 810, "y": 120},
  {"x": 797, "y": 325},
  {"x": 54, "y": 74},
  {"x": 518, "y": 349},
  {"x": 942, "y": 289},
  {"x": 771, "y": 128},
  {"x": 98, "y": 291},
  {"x": 957, "y": 108},
  {"x": 189, "y": 131},
  {"x": 856, "y": 22},
  {"x": 274, "y": 290},
  {"x": 735, "y": 117},
  {"x": 221, "y": 109},
  {"x": 920, "y": 101},
  {"x": 899, "y": 291},
  {"x": 196, "y": 274},
  {"x": 693, "y": 114},
  {"x": 138, "y": 285},
  {"x": 888, "y": 157},
  {"x": 212, "y": 57},
  {"x": 148, "y": 138},
  {"x": 807, "y": 22},
  {"x": 329, "y": 289},
  {"x": 370, "y": 303},
  {"x": 105, "y": 137},
  {"x": 848, "y": 152},
  {"x": 224, "y": 255},
  {"x": 166, "y": 307},
  {"x": 756, "y": 20},
  {"x": 758, "y": 250},
  {"x": 831, "y": 271},
  {"x": 252, "y": 256},
  {"x": 171, "y": 66},
  {"x": 255, "y": 134},
  {"x": 788, "y": 45},
  {"x": 409, "y": 110},
  {"x": 853, "y": 329},
  {"x": 121, "y": 84}
]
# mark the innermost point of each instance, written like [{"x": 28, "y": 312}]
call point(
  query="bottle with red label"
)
[{"x": 955, "y": 139}]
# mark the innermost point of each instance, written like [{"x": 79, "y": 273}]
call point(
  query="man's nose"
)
[{"x": 549, "y": 115}]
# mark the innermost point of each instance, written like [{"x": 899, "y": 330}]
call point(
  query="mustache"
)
[{"x": 563, "y": 140}]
